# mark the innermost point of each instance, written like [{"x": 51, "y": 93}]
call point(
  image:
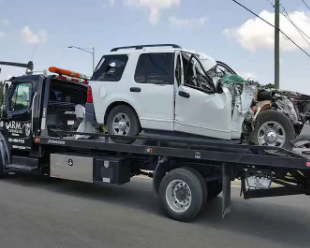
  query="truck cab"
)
[{"x": 37, "y": 105}]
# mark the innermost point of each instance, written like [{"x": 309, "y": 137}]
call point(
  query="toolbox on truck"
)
[
  {"x": 103, "y": 169},
  {"x": 114, "y": 170}
]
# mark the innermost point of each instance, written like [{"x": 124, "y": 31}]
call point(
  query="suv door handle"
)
[
  {"x": 135, "y": 89},
  {"x": 184, "y": 94}
]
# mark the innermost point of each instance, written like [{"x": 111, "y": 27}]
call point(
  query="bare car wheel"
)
[
  {"x": 272, "y": 128},
  {"x": 123, "y": 121}
]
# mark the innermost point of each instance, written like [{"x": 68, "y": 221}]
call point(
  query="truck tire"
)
[
  {"x": 214, "y": 189},
  {"x": 122, "y": 121},
  {"x": 203, "y": 183},
  {"x": 181, "y": 194},
  {"x": 270, "y": 126}
]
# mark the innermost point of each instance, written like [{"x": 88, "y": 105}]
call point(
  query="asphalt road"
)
[{"x": 42, "y": 213}]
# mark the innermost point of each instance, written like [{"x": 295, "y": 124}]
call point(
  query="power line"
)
[
  {"x": 306, "y": 4},
  {"x": 270, "y": 3},
  {"x": 241, "y": 5},
  {"x": 301, "y": 32},
  {"x": 287, "y": 16},
  {"x": 284, "y": 34}
]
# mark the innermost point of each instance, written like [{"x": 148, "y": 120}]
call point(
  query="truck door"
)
[{"x": 17, "y": 121}]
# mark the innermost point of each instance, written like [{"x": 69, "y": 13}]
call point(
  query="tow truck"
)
[{"x": 38, "y": 128}]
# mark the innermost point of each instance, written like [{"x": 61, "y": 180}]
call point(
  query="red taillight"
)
[{"x": 89, "y": 95}]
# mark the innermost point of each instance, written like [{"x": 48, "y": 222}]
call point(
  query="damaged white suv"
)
[{"x": 167, "y": 88}]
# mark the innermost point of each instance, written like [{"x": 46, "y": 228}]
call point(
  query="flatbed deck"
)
[
  {"x": 187, "y": 148},
  {"x": 215, "y": 161}
]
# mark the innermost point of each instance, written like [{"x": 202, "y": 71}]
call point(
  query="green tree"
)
[{"x": 270, "y": 86}]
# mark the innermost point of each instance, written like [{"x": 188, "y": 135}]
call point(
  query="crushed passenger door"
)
[{"x": 198, "y": 108}]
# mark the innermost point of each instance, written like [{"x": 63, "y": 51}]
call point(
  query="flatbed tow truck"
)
[{"x": 37, "y": 135}]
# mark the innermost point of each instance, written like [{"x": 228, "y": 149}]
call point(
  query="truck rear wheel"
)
[{"x": 182, "y": 194}]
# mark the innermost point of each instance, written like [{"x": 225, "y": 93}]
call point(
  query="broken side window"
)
[{"x": 195, "y": 76}]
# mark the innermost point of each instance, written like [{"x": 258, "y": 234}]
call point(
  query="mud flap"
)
[
  {"x": 159, "y": 173},
  {"x": 226, "y": 198}
]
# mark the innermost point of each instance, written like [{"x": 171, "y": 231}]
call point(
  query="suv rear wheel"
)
[{"x": 123, "y": 121}]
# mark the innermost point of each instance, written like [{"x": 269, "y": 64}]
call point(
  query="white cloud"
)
[
  {"x": 33, "y": 38},
  {"x": 187, "y": 23},
  {"x": 6, "y": 22},
  {"x": 255, "y": 34},
  {"x": 154, "y": 6},
  {"x": 2, "y": 35}
]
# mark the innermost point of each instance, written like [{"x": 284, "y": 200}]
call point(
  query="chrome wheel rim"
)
[
  {"x": 271, "y": 133},
  {"x": 121, "y": 124},
  {"x": 178, "y": 196}
]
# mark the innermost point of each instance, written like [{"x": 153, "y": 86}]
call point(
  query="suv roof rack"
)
[{"x": 142, "y": 46}]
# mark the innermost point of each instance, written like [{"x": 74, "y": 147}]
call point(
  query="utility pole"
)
[{"x": 277, "y": 45}]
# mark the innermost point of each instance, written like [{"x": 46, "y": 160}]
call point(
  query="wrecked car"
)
[
  {"x": 167, "y": 89},
  {"x": 288, "y": 105}
]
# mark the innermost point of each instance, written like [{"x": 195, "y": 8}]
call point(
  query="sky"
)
[{"x": 41, "y": 31}]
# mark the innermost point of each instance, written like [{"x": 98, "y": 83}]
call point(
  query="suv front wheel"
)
[
  {"x": 273, "y": 128},
  {"x": 123, "y": 121}
]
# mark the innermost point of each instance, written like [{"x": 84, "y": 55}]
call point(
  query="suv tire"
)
[
  {"x": 278, "y": 118},
  {"x": 123, "y": 121}
]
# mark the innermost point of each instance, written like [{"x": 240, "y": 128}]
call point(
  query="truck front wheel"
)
[{"x": 182, "y": 194}]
